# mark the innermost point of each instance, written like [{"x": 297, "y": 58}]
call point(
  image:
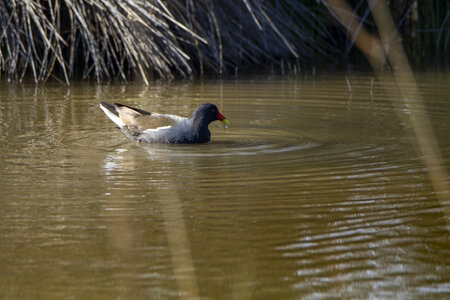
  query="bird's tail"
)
[{"x": 112, "y": 113}]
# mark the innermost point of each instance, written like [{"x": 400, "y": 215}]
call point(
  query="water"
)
[{"x": 315, "y": 190}]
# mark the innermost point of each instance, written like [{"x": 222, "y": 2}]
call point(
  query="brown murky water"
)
[{"x": 314, "y": 191}]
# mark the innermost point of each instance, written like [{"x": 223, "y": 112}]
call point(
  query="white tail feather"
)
[{"x": 113, "y": 117}]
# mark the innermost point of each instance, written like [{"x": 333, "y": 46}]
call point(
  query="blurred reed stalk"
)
[
  {"x": 111, "y": 39},
  {"x": 423, "y": 25},
  {"x": 417, "y": 118},
  {"x": 178, "y": 242},
  {"x": 389, "y": 49}
]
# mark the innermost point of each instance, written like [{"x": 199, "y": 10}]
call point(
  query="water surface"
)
[{"x": 315, "y": 190}]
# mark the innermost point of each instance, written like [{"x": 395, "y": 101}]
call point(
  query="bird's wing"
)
[{"x": 133, "y": 117}]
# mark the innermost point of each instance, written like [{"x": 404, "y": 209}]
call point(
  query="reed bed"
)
[
  {"x": 107, "y": 39},
  {"x": 110, "y": 39}
]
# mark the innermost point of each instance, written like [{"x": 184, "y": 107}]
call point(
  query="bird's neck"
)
[{"x": 200, "y": 123}]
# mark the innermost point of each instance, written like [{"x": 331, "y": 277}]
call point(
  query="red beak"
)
[{"x": 220, "y": 117}]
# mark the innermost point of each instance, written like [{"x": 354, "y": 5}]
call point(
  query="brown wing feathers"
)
[{"x": 142, "y": 119}]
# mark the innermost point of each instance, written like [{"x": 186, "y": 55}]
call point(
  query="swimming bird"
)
[{"x": 149, "y": 127}]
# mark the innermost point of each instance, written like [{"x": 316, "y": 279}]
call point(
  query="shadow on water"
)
[{"x": 312, "y": 191}]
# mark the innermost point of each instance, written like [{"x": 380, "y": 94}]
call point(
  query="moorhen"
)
[{"x": 148, "y": 127}]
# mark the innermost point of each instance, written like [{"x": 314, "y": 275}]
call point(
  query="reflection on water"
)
[{"x": 313, "y": 191}]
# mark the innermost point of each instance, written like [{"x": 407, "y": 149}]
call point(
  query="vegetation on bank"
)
[{"x": 111, "y": 39}]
